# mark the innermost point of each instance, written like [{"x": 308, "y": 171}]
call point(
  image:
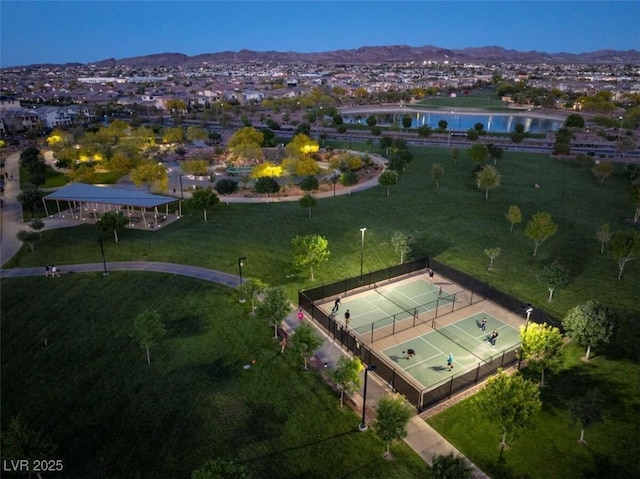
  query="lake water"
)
[{"x": 494, "y": 122}]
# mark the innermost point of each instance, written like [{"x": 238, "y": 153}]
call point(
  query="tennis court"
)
[
  {"x": 392, "y": 303},
  {"x": 464, "y": 339}
]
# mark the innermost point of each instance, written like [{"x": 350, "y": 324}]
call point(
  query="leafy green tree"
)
[
  {"x": 195, "y": 167},
  {"x": 455, "y": 154},
  {"x": 388, "y": 179},
  {"x": 226, "y": 186},
  {"x": 30, "y": 198},
  {"x": 488, "y": 178},
  {"x": 266, "y": 185},
  {"x": 554, "y": 276},
  {"x": 19, "y": 441},
  {"x": 148, "y": 329},
  {"x": 274, "y": 308},
  {"x": 495, "y": 153},
  {"x": 203, "y": 199},
  {"x": 587, "y": 410},
  {"x": 591, "y": 325},
  {"x": 252, "y": 288},
  {"x": 478, "y": 152},
  {"x": 509, "y": 402},
  {"x": 472, "y": 135},
  {"x": 541, "y": 347},
  {"x": 28, "y": 237},
  {"x": 150, "y": 174},
  {"x": 425, "y": 131},
  {"x": 634, "y": 194},
  {"x": 399, "y": 159},
  {"x": 195, "y": 133},
  {"x": 301, "y": 146},
  {"x": 514, "y": 215},
  {"x": 437, "y": 172},
  {"x": 112, "y": 221},
  {"x": 308, "y": 201},
  {"x": 401, "y": 243},
  {"x": 372, "y": 121},
  {"x": 37, "y": 224},
  {"x": 540, "y": 228},
  {"x": 310, "y": 250},
  {"x": 406, "y": 122},
  {"x": 392, "y": 417},
  {"x": 518, "y": 135},
  {"x": 492, "y": 253},
  {"x": 221, "y": 469},
  {"x": 574, "y": 120},
  {"x": 626, "y": 143},
  {"x": 309, "y": 183},
  {"x": 348, "y": 179},
  {"x": 450, "y": 466},
  {"x": 603, "y": 235},
  {"x": 306, "y": 341},
  {"x": 173, "y": 135},
  {"x": 625, "y": 247},
  {"x": 442, "y": 125},
  {"x": 347, "y": 375},
  {"x": 602, "y": 170}
]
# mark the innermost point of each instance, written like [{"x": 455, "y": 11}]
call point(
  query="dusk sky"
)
[{"x": 88, "y": 31}]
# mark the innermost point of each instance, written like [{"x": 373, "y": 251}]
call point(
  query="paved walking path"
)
[{"x": 421, "y": 437}]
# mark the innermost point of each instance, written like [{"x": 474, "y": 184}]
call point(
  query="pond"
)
[{"x": 460, "y": 121}]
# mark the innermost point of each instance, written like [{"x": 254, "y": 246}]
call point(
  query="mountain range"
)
[{"x": 377, "y": 54}]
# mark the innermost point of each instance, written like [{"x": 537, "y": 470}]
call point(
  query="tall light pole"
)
[
  {"x": 363, "y": 424},
  {"x": 362, "y": 230},
  {"x": 240, "y": 265}
]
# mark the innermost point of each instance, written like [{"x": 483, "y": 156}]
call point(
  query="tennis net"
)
[
  {"x": 394, "y": 299},
  {"x": 468, "y": 346}
]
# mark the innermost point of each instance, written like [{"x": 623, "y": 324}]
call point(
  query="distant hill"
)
[{"x": 380, "y": 54}]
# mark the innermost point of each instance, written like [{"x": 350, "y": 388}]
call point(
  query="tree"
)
[
  {"x": 406, "y": 122},
  {"x": 401, "y": 243},
  {"x": 251, "y": 288},
  {"x": 221, "y": 469},
  {"x": 508, "y": 402},
  {"x": 301, "y": 146},
  {"x": 634, "y": 193},
  {"x": 21, "y": 442},
  {"x": 195, "y": 167},
  {"x": 540, "y": 228},
  {"x": 226, "y": 186},
  {"x": 348, "y": 179},
  {"x": 173, "y": 135},
  {"x": 455, "y": 154},
  {"x": 310, "y": 250},
  {"x": 392, "y": 417},
  {"x": 478, "y": 153},
  {"x": 30, "y": 198},
  {"x": 488, "y": 178},
  {"x": 347, "y": 375},
  {"x": 150, "y": 173},
  {"x": 112, "y": 221},
  {"x": 195, "y": 133},
  {"x": 625, "y": 247},
  {"x": 591, "y": 325},
  {"x": 437, "y": 172},
  {"x": 308, "y": 201},
  {"x": 274, "y": 308},
  {"x": 305, "y": 342},
  {"x": 399, "y": 158},
  {"x": 602, "y": 170},
  {"x": 541, "y": 347},
  {"x": 388, "y": 179},
  {"x": 495, "y": 152},
  {"x": 442, "y": 125},
  {"x": 472, "y": 135},
  {"x": 574, "y": 120},
  {"x": 29, "y": 237},
  {"x": 203, "y": 199},
  {"x": 37, "y": 224},
  {"x": 586, "y": 410},
  {"x": 309, "y": 183},
  {"x": 492, "y": 253},
  {"x": 266, "y": 185},
  {"x": 372, "y": 121},
  {"x": 553, "y": 276},
  {"x": 514, "y": 215},
  {"x": 518, "y": 135},
  {"x": 626, "y": 143},
  {"x": 147, "y": 329},
  {"x": 449, "y": 467},
  {"x": 603, "y": 235}
]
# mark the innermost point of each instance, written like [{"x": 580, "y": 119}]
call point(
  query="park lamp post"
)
[
  {"x": 363, "y": 425},
  {"x": 240, "y": 265},
  {"x": 528, "y": 309},
  {"x": 362, "y": 230}
]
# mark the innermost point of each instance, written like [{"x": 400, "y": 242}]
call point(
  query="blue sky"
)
[{"x": 87, "y": 31}]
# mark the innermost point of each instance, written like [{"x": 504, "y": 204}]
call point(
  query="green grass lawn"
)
[
  {"x": 485, "y": 99},
  {"x": 548, "y": 448},
  {"x": 111, "y": 415}
]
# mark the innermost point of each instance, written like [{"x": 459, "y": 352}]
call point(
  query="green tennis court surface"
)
[
  {"x": 383, "y": 305},
  {"x": 464, "y": 339}
]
